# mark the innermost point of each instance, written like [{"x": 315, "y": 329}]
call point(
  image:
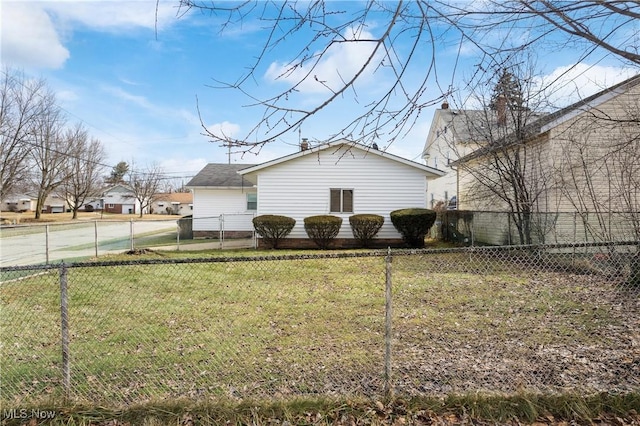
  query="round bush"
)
[
  {"x": 273, "y": 228},
  {"x": 365, "y": 227},
  {"x": 322, "y": 229},
  {"x": 413, "y": 224}
]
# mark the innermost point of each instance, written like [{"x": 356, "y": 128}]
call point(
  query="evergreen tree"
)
[
  {"x": 508, "y": 88},
  {"x": 118, "y": 173}
]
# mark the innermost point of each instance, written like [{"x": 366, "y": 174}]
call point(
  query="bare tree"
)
[
  {"x": 601, "y": 23},
  {"x": 399, "y": 43},
  {"x": 49, "y": 151},
  {"x": 22, "y": 103},
  {"x": 84, "y": 168},
  {"x": 507, "y": 172},
  {"x": 145, "y": 185}
]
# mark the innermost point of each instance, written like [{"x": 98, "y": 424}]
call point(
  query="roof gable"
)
[
  {"x": 336, "y": 144},
  {"x": 119, "y": 188}
]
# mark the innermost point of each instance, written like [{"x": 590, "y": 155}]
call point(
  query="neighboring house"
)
[
  {"x": 453, "y": 134},
  {"x": 27, "y": 203},
  {"x": 176, "y": 203},
  {"x": 119, "y": 199},
  {"x": 54, "y": 204},
  {"x": 341, "y": 178},
  {"x": 20, "y": 203},
  {"x": 222, "y": 200},
  {"x": 583, "y": 159},
  {"x": 93, "y": 204}
]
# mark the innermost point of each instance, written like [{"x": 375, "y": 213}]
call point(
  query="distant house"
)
[
  {"x": 20, "y": 203},
  {"x": 119, "y": 199},
  {"x": 27, "y": 203},
  {"x": 222, "y": 201},
  {"x": 583, "y": 161},
  {"x": 54, "y": 204},
  {"x": 340, "y": 178},
  {"x": 93, "y": 204},
  {"x": 176, "y": 203}
]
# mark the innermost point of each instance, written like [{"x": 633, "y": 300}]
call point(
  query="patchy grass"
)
[
  {"x": 453, "y": 410},
  {"x": 313, "y": 328}
]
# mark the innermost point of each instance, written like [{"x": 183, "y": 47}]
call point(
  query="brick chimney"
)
[
  {"x": 445, "y": 105},
  {"x": 501, "y": 110},
  {"x": 304, "y": 145}
]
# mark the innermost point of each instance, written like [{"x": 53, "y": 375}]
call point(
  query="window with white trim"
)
[
  {"x": 252, "y": 201},
  {"x": 341, "y": 200}
]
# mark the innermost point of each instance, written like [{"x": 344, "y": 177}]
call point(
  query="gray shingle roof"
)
[{"x": 221, "y": 175}]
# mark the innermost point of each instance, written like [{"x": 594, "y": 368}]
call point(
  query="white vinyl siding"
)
[
  {"x": 300, "y": 188},
  {"x": 209, "y": 204}
]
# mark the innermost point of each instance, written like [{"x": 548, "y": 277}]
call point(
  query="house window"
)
[
  {"x": 111, "y": 206},
  {"x": 341, "y": 200},
  {"x": 252, "y": 201}
]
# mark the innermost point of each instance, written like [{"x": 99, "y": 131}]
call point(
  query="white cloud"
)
[
  {"x": 114, "y": 16},
  {"x": 29, "y": 38},
  {"x": 34, "y": 32},
  {"x": 130, "y": 98},
  {"x": 339, "y": 64},
  {"x": 225, "y": 128},
  {"x": 569, "y": 84}
]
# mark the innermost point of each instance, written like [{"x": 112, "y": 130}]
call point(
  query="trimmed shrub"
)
[
  {"x": 273, "y": 228},
  {"x": 365, "y": 227},
  {"x": 413, "y": 224},
  {"x": 322, "y": 229},
  {"x": 88, "y": 208}
]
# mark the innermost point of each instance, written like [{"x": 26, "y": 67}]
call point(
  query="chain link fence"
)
[
  {"x": 55, "y": 242},
  {"x": 423, "y": 322},
  {"x": 500, "y": 228}
]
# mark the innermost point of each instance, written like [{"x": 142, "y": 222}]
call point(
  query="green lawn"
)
[{"x": 283, "y": 328}]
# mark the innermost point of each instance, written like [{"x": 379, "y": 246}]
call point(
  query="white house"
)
[
  {"x": 222, "y": 201},
  {"x": 341, "y": 178},
  {"x": 177, "y": 203},
  {"x": 19, "y": 203},
  {"x": 120, "y": 199},
  {"x": 27, "y": 203}
]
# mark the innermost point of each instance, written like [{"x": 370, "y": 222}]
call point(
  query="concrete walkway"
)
[{"x": 246, "y": 243}]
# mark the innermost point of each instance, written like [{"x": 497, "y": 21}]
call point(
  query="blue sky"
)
[{"x": 131, "y": 73}]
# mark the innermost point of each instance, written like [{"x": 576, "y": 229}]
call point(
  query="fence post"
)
[
  {"x": 64, "y": 325},
  {"x": 95, "y": 235},
  {"x": 131, "y": 234},
  {"x": 46, "y": 243},
  {"x": 178, "y": 235},
  {"x": 221, "y": 230},
  {"x": 388, "y": 387}
]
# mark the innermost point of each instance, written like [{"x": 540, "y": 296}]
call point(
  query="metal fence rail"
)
[
  {"x": 69, "y": 242},
  {"x": 420, "y": 322},
  {"x": 499, "y": 228}
]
